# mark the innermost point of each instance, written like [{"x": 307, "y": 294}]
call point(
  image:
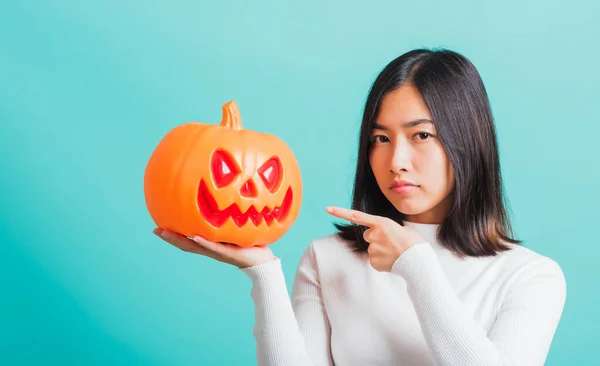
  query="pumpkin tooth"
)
[
  {"x": 266, "y": 213},
  {"x": 208, "y": 207},
  {"x": 236, "y": 215},
  {"x": 282, "y": 211},
  {"x": 255, "y": 216},
  {"x": 268, "y": 218}
]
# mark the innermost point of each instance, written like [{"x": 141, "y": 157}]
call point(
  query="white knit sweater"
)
[{"x": 433, "y": 308}]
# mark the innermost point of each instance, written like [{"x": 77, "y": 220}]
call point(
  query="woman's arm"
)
[
  {"x": 289, "y": 332},
  {"x": 281, "y": 339},
  {"x": 524, "y": 327}
]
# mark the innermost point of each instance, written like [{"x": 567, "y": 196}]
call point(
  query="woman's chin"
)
[
  {"x": 409, "y": 209},
  {"x": 420, "y": 213}
]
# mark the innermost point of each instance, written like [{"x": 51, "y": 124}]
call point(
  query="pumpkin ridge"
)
[{"x": 178, "y": 167}]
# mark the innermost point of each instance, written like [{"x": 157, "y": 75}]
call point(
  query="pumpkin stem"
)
[{"x": 231, "y": 116}]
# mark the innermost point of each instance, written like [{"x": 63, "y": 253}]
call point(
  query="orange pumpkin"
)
[{"x": 223, "y": 183}]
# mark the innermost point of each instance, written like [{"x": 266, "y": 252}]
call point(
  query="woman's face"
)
[{"x": 408, "y": 161}]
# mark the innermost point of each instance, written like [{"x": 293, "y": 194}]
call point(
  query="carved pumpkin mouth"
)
[{"x": 210, "y": 210}]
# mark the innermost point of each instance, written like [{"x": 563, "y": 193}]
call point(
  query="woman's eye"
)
[
  {"x": 380, "y": 138},
  {"x": 423, "y": 135}
]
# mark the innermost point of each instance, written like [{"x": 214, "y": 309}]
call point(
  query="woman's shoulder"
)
[
  {"x": 523, "y": 262},
  {"x": 331, "y": 252},
  {"x": 523, "y": 253},
  {"x": 330, "y": 245}
]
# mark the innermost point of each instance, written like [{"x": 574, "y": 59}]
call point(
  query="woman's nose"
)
[{"x": 400, "y": 159}]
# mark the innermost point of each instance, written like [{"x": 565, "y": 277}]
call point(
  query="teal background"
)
[{"x": 87, "y": 89}]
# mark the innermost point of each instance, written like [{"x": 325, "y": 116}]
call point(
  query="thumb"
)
[{"x": 214, "y": 247}]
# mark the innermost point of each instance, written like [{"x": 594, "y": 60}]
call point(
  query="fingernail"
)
[{"x": 329, "y": 209}]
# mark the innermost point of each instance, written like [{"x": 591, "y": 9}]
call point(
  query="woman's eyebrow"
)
[{"x": 379, "y": 126}]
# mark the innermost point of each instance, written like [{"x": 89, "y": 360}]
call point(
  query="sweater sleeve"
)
[
  {"x": 289, "y": 331},
  {"x": 524, "y": 327}
]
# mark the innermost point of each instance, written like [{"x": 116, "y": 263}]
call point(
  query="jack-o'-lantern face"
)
[
  {"x": 268, "y": 200},
  {"x": 224, "y": 183}
]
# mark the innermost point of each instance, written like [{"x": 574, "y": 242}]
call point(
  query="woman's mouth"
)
[{"x": 402, "y": 186}]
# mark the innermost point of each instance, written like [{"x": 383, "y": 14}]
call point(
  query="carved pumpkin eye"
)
[
  {"x": 270, "y": 172},
  {"x": 224, "y": 169}
]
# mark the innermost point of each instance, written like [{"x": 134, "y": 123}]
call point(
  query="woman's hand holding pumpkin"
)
[{"x": 227, "y": 253}]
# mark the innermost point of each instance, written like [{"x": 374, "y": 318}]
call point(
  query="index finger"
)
[
  {"x": 182, "y": 242},
  {"x": 355, "y": 216}
]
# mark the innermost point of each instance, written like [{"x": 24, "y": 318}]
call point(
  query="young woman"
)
[{"x": 426, "y": 272}]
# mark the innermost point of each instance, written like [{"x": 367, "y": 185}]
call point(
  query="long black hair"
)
[{"x": 477, "y": 224}]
